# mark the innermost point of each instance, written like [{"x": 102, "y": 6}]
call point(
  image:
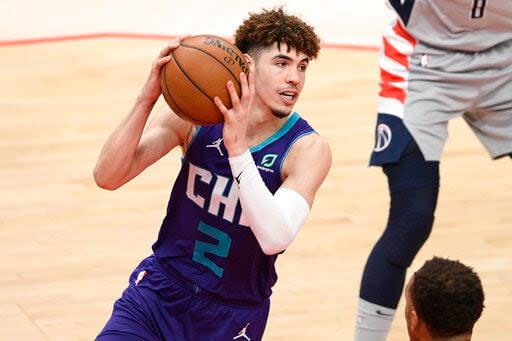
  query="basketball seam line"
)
[
  {"x": 182, "y": 112},
  {"x": 191, "y": 81},
  {"x": 220, "y": 61},
  {"x": 169, "y": 93}
]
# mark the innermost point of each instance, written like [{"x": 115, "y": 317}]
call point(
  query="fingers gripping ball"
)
[{"x": 197, "y": 72}]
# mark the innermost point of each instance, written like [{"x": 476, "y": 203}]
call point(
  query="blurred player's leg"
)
[{"x": 413, "y": 184}]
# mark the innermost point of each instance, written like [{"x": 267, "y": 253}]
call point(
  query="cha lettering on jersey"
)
[{"x": 218, "y": 194}]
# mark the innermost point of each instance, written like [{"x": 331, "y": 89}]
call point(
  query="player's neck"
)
[
  {"x": 263, "y": 124},
  {"x": 427, "y": 337},
  {"x": 466, "y": 337}
]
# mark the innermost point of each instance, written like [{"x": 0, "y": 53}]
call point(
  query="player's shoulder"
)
[
  {"x": 311, "y": 148},
  {"x": 310, "y": 156},
  {"x": 300, "y": 131},
  {"x": 313, "y": 140}
]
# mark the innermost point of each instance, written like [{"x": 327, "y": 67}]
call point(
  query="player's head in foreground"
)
[{"x": 444, "y": 299}]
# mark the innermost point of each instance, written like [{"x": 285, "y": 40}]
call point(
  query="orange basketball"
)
[{"x": 197, "y": 72}]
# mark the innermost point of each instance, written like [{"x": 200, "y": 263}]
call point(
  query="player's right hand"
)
[
  {"x": 151, "y": 90},
  {"x": 236, "y": 119}
]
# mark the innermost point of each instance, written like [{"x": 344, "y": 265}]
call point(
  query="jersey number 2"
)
[
  {"x": 477, "y": 11},
  {"x": 220, "y": 249}
]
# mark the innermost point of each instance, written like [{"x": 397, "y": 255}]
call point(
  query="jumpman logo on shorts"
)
[
  {"x": 216, "y": 144},
  {"x": 243, "y": 334}
]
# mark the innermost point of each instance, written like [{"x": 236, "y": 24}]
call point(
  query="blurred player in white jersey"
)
[{"x": 441, "y": 59}]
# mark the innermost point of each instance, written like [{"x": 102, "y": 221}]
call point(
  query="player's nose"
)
[{"x": 293, "y": 77}]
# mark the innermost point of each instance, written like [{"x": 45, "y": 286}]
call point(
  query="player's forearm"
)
[
  {"x": 267, "y": 222},
  {"x": 119, "y": 152},
  {"x": 274, "y": 219}
]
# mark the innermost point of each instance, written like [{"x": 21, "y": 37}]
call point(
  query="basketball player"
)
[
  {"x": 244, "y": 190},
  {"x": 444, "y": 299},
  {"x": 440, "y": 60}
]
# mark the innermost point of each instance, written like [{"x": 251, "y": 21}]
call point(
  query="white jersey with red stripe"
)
[
  {"x": 437, "y": 64},
  {"x": 398, "y": 47},
  {"x": 426, "y": 27}
]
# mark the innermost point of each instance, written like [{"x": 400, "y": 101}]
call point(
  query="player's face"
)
[{"x": 279, "y": 78}]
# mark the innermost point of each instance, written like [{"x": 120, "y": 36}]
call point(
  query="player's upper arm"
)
[
  {"x": 165, "y": 131},
  {"x": 307, "y": 165}
]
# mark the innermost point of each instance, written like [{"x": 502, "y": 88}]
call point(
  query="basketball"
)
[{"x": 197, "y": 72}]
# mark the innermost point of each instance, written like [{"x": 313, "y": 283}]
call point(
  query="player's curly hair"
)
[
  {"x": 448, "y": 296},
  {"x": 264, "y": 29}
]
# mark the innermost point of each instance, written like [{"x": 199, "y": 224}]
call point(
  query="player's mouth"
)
[{"x": 289, "y": 96}]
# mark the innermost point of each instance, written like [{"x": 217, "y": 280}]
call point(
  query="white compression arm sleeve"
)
[{"x": 274, "y": 219}]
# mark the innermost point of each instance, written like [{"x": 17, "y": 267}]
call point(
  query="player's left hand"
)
[
  {"x": 236, "y": 119},
  {"x": 151, "y": 90}
]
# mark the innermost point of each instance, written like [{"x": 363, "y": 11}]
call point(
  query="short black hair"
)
[
  {"x": 448, "y": 296},
  {"x": 263, "y": 29}
]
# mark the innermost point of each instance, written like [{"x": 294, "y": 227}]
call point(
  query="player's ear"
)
[
  {"x": 249, "y": 61},
  {"x": 414, "y": 321}
]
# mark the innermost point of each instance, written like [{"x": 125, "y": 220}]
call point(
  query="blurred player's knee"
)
[
  {"x": 414, "y": 186},
  {"x": 410, "y": 222}
]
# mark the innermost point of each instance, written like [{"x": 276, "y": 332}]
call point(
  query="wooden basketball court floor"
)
[{"x": 67, "y": 247}]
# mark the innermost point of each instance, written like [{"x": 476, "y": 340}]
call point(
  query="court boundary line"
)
[{"x": 146, "y": 36}]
